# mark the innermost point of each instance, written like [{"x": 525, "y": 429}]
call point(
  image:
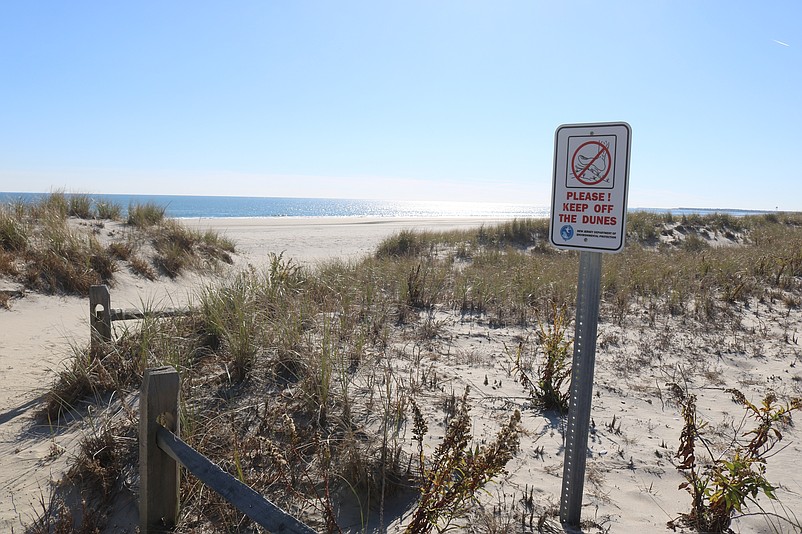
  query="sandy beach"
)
[
  {"x": 310, "y": 240},
  {"x": 632, "y": 484}
]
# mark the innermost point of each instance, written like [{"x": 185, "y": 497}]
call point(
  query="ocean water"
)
[{"x": 195, "y": 207}]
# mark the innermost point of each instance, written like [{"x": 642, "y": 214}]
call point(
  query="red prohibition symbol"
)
[{"x": 591, "y": 162}]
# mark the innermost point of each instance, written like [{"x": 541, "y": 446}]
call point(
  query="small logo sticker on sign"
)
[{"x": 567, "y": 232}]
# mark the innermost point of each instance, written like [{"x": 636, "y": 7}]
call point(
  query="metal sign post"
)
[
  {"x": 576, "y": 439},
  {"x": 588, "y": 213}
]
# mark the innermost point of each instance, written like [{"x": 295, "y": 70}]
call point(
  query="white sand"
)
[{"x": 312, "y": 239}]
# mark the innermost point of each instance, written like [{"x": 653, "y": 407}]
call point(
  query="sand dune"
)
[{"x": 632, "y": 484}]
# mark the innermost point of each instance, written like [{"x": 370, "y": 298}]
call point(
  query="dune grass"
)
[
  {"x": 80, "y": 206},
  {"x": 108, "y": 210},
  {"x": 13, "y": 232},
  {"x": 56, "y": 245},
  {"x": 304, "y": 383},
  {"x": 145, "y": 215},
  {"x": 178, "y": 248}
]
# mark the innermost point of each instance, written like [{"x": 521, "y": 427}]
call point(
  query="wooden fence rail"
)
[
  {"x": 101, "y": 315},
  {"x": 161, "y": 451}
]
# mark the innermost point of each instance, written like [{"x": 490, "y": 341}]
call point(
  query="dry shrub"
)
[
  {"x": 73, "y": 383},
  {"x": 216, "y": 246},
  {"x": 55, "y": 516},
  {"x": 90, "y": 377},
  {"x": 102, "y": 263},
  {"x": 735, "y": 477},
  {"x": 8, "y": 265},
  {"x": 142, "y": 268},
  {"x": 458, "y": 471},
  {"x": 80, "y": 504},
  {"x": 121, "y": 250},
  {"x": 99, "y": 463},
  {"x": 171, "y": 259},
  {"x": 38, "y": 245},
  {"x": 549, "y": 387}
]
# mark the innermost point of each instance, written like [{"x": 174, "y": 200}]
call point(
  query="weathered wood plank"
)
[
  {"x": 159, "y": 476},
  {"x": 247, "y": 501},
  {"x": 13, "y": 293},
  {"x": 119, "y": 314}
]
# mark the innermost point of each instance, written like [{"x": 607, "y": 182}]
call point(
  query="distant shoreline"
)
[
  {"x": 190, "y": 207},
  {"x": 223, "y": 207}
]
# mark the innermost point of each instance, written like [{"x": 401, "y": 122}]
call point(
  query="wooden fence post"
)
[
  {"x": 99, "y": 320},
  {"x": 159, "y": 477}
]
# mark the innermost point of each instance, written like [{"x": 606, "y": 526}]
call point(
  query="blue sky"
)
[{"x": 420, "y": 100}]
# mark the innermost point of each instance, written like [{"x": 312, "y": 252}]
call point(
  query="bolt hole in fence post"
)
[
  {"x": 99, "y": 316},
  {"x": 588, "y": 214}
]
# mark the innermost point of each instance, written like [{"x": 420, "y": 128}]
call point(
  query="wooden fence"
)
[
  {"x": 161, "y": 451},
  {"x": 101, "y": 315}
]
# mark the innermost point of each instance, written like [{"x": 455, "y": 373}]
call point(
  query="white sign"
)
[{"x": 589, "y": 193}]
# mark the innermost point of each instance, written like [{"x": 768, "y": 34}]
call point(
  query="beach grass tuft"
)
[
  {"x": 108, "y": 210},
  {"x": 13, "y": 232},
  {"x": 145, "y": 215},
  {"x": 80, "y": 206}
]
